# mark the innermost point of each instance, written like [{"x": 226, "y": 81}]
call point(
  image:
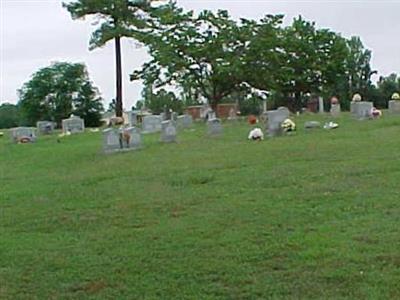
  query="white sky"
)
[{"x": 34, "y": 33}]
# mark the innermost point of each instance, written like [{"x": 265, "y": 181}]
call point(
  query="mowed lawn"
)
[{"x": 312, "y": 216}]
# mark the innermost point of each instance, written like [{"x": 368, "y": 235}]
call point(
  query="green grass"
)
[{"x": 311, "y": 216}]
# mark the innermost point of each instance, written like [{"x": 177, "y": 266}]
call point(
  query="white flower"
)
[{"x": 255, "y": 134}]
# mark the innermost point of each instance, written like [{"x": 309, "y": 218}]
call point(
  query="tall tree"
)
[
  {"x": 9, "y": 116},
  {"x": 207, "y": 50},
  {"x": 118, "y": 19},
  {"x": 57, "y": 91},
  {"x": 311, "y": 60},
  {"x": 359, "y": 70}
]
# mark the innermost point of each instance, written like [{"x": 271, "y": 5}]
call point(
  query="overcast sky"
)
[{"x": 35, "y": 33}]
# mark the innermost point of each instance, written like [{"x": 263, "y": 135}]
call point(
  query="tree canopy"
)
[
  {"x": 115, "y": 19},
  {"x": 9, "y": 115},
  {"x": 214, "y": 57},
  {"x": 57, "y": 91}
]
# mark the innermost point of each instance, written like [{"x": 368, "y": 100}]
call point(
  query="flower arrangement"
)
[{"x": 288, "y": 125}]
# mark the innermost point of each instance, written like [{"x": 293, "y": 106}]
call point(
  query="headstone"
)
[
  {"x": 394, "y": 104},
  {"x": 168, "y": 132},
  {"x": 352, "y": 107},
  {"x": 125, "y": 139},
  {"x": 275, "y": 119},
  {"x": 23, "y": 135},
  {"x": 214, "y": 127},
  {"x": 211, "y": 115},
  {"x": 163, "y": 116},
  {"x": 73, "y": 125},
  {"x": 45, "y": 127},
  {"x": 335, "y": 110},
  {"x": 361, "y": 110},
  {"x": 184, "y": 121},
  {"x": 151, "y": 124},
  {"x": 321, "y": 105},
  {"x": 312, "y": 125},
  {"x": 133, "y": 120},
  {"x": 232, "y": 114},
  {"x": 174, "y": 116}
]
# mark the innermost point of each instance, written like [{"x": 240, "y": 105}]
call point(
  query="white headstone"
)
[
  {"x": 73, "y": 125},
  {"x": 151, "y": 124}
]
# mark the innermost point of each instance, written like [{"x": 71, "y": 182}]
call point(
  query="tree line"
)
[{"x": 204, "y": 57}]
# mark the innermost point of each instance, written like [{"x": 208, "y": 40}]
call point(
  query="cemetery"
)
[
  {"x": 201, "y": 152},
  {"x": 291, "y": 195}
]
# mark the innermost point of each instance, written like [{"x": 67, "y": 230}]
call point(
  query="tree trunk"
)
[{"x": 118, "y": 66}]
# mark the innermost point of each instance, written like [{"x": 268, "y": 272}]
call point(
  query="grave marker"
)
[
  {"x": 73, "y": 125},
  {"x": 23, "y": 135},
  {"x": 125, "y": 139},
  {"x": 361, "y": 110},
  {"x": 214, "y": 127},
  {"x": 184, "y": 121},
  {"x": 275, "y": 118},
  {"x": 45, "y": 127},
  {"x": 168, "y": 132},
  {"x": 151, "y": 124}
]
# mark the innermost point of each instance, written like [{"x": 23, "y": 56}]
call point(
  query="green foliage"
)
[
  {"x": 115, "y": 18},
  {"x": 161, "y": 101},
  {"x": 57, "y": 91},
  {"x": 9, "y": 115},
  {"x": 210, "y": 56},
  {"x": 208, "y": 50},
  {"x": 387, "y": 86}
]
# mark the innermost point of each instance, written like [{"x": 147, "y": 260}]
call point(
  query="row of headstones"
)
[
  {"x": 362, "y": 109},
  {"x": 28, "y": 134},
  {"x": 130, "y": 138}
]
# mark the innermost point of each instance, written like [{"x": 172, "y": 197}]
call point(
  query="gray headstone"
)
[
  {"x": 163, "y": 116},
  {"x": 352, "y": 106},
  {"x": 73, "y": 125},
  {"x": 26, "y": 134},
  {"x": 335, "y": 110},
  {"x": 133, "y": 121},
  {"x": 214, "y": 127},
  {"x": 168, "y": 132},
  {"x": 45, "y": 127},
  {"x": 151, "y": 124},
  {"x": 275, "y": 119},
  {"x": 394, "y": 107},
  {"x": 174, "y": 116},
  {"x": 362, "y": 110},
  {"x": 124, "y": 139},
  {"x": 312, "y": 125},
  {"x": 184, "y": 121}
]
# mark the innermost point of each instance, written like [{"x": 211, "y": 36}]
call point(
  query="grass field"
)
[{"x": 312, "y": 216}]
